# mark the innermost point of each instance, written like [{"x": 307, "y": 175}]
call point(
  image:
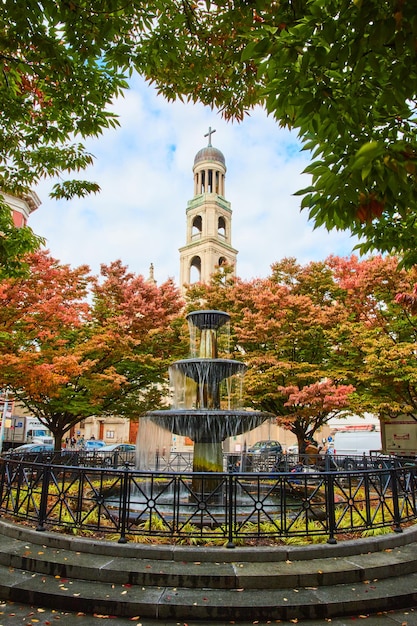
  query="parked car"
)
[
  {"x": 118, "y": 454},
  {"x": 89, "y": 450},
  {"x": 30, "y": 449},
  {"x": 264, "y": 456},
  {"x": 94, "y": 444},
  {"x": 268, "y": 446}
]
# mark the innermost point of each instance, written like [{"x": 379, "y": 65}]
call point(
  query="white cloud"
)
[{"x": 144, "y": 169}]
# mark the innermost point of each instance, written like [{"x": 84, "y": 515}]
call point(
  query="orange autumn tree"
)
[
  {"x": 74, "y": 345},
  {"x": 150, "y": 317},
  {"x": 359, "y": 328},
  {"x": 376, "y": 342}
]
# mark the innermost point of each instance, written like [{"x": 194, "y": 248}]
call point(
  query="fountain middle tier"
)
[
  {"x": 208, "y": 425},
  {"x": 201, "y": 383},
  {"x": 203, "y": 370}
]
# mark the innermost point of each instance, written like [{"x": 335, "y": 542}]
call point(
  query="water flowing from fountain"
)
[{"x": 206, "y": 395}]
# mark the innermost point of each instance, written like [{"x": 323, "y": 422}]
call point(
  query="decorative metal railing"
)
[{"x": 226, "y": 508}]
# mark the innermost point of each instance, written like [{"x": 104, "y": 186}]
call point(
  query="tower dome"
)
[{"x": 209, "y": 153}]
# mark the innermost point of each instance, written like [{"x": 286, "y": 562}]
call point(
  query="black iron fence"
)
[
  {"x": 226, "y": 508},
  {"x": 182, "y": 461}
]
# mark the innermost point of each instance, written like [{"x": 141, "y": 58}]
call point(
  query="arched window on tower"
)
[
  {"x": 221, "y": 227},
  {"x": 195, "y": 270},
  {"x": 197, "y": 227}
]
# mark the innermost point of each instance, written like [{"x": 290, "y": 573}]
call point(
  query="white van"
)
[{"x": 355, "y": 443}]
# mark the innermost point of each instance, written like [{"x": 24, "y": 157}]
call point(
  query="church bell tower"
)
[{"x": 209, "y": 220}]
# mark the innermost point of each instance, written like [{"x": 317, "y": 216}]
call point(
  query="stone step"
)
[
  {"x": 318, "y": 572},
  {"x": 208, "y": 604},
  {"x": 212, "y": 584},
  {"x": 212, "y": 554}
]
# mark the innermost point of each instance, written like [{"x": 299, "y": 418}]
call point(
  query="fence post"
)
[
  {"x": 2, "y": 481},
  {"x": 367, "y": 499},
  {"x": 230, "y": 504},
  {"x": 394, "y": 490},
  {"x": 80, "y": 494},
  {"x": 46, "y": 474},
  {"x": 124, "y": 501},
  {"x": 331, "y": 513}
]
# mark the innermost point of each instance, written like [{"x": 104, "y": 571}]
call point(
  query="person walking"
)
[{"x": 312, "y": 452}]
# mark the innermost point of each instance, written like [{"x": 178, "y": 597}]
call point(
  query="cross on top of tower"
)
[{"x": 209, "y": 134}]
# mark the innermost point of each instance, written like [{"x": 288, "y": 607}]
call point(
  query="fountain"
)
[{"x": 206, "y": 390}]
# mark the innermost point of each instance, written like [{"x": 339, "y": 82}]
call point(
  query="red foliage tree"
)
[{"x": 312, "y": 406}]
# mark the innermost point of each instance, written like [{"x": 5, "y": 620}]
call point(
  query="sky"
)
[{"x": 144, "y": 169}]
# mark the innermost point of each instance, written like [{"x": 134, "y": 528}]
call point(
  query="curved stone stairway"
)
[{"x": 209, "y": 584}]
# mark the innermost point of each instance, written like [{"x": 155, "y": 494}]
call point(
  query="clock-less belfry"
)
[{"x": 209, "y": 219}]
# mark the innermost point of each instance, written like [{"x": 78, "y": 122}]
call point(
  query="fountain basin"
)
[{"x": 208, "y": 425}]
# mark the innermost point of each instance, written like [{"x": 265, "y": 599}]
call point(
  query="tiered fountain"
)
[{"x": 206, "y": 390}]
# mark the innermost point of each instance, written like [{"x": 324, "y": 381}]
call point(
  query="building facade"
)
[{"x": 21, "y": 206}]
